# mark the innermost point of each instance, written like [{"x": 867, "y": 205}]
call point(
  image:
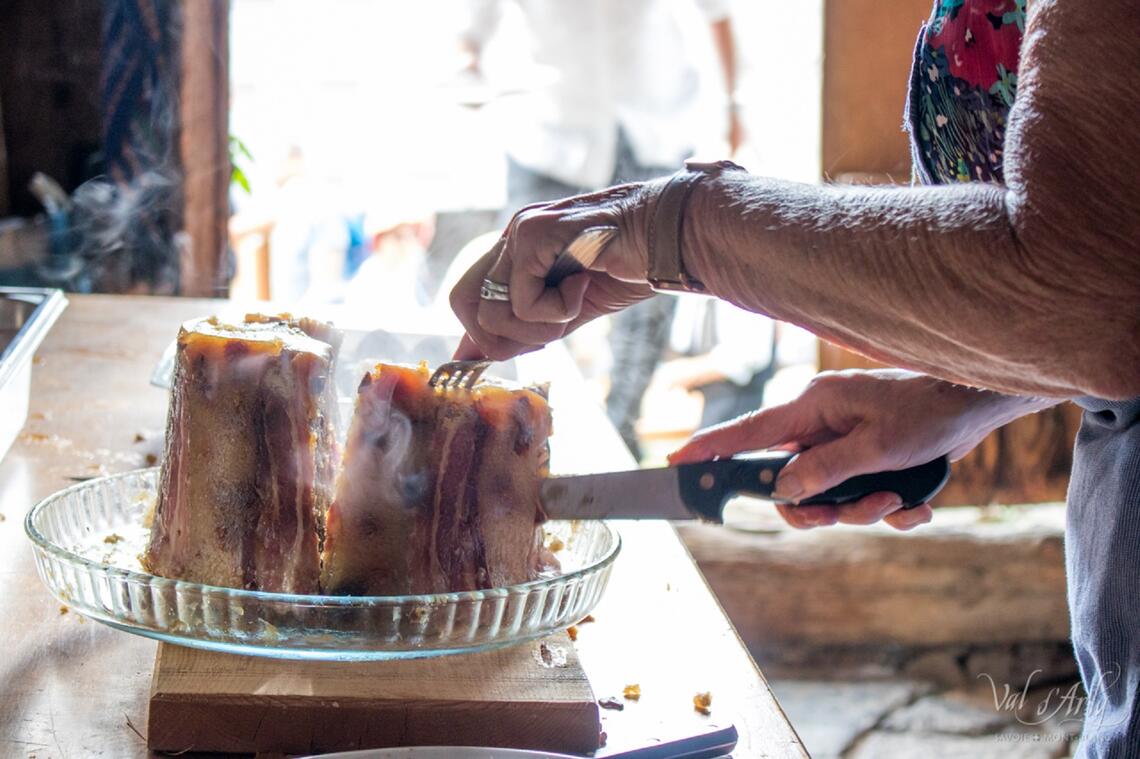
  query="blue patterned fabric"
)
[
  {"x": 139, "y": 98},
  {"x": 139, "y": 87}
]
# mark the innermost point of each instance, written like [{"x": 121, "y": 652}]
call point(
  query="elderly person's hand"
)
[
  {"x": 537, "y": 314},
  {"x": 856, "y": 422}
]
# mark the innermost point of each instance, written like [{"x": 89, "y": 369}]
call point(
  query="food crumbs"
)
[
  {"x": 572, "y": 632},
  {"x": 151, "y": 459},
  {"x": 632, "y": 692},
  {"x": 63, "y": 610},
  {"x": 2, "y": 517},
  {"x": 113, "y": 538},
  {"x": 139, "y": 437},
  {"x": 556, "y": 544},
  {"x": 611, "y": 703},
  {"x": 551, "y": 656},
  {"x": 702, "y": 702},
  {"x": 586, "y": 619}
]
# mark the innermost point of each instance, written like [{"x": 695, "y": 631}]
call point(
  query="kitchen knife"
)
[{"x": 699, "y": 491}]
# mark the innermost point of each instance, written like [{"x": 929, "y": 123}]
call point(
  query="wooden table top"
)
[{"x": 73, "y": 687}]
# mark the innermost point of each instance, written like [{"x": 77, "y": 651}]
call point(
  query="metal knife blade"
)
[{"x": 637, "y": 494}]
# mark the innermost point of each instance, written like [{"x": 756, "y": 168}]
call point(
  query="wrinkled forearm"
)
[
  {"x": 1030, "y": 288},
  {"x": 992, "y": 410},
  {"x": 930, "y": 279}
]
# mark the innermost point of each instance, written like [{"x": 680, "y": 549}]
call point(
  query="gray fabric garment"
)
[
  {"x": 1102, "y": 557},
  {"x": 725, "y": 400},
  {"x": 638, "y": 337}
]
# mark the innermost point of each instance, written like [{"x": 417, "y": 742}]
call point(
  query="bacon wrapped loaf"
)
[
  {"x": 439, "y": 489},
  {"x": 250, "y": 455}
]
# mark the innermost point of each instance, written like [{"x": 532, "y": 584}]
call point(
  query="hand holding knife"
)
[{"x": 700, "y": 491}]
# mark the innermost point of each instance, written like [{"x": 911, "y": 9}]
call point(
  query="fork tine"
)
[
  {"x": 458, "y": 374},
  {"x": 444, "y": 374},
  {"x": 474, "y": 373},
  {"x": 438, "y": 375}
]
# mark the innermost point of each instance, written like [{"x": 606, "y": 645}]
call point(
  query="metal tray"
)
[
  {"x": 87, "y": 538},
  {"x": 26, "y": 315}
]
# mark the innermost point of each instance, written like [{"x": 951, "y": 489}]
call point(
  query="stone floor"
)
[{"x": 902, "y": 719}]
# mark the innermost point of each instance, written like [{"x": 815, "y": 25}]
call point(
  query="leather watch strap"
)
[{"x": 666, "y": 266}]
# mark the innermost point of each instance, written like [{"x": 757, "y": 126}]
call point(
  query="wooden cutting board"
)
[{"x": 205, "y": 701}]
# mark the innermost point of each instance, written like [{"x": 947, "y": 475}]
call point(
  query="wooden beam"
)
[
  {"x": 957, "y": 581},
  {"x": 204, "y": 145}
]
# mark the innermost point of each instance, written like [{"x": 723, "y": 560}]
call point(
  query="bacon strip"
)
[{"x": 439, "y": 491}]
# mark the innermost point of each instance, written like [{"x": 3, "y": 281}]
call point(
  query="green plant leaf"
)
[{"x": 238, "y": 176}]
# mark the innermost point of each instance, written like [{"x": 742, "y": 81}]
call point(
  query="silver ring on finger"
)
[{"x": 492, "y": 290}]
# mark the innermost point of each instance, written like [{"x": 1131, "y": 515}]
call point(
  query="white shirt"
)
[
  {"x": 738, "y": 343},
  {"x": 613, "y": 63}
]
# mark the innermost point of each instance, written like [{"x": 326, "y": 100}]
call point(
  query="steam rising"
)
[{"x": 126, "y": 235}]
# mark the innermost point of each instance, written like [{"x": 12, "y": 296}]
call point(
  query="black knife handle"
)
[{"x": 705, "y": 487}]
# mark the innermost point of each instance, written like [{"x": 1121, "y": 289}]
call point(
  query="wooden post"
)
[
  {"x": 3, "y": 164},
  {"x": 868, "y": 46},
  {"x": 204, "y": 145}
]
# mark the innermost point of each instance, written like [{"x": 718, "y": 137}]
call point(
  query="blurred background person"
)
[
  {"x": 621, "y": 101},
  {"x": 721, "y": 352}
]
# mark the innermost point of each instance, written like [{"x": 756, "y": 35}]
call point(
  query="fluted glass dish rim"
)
[{"x": 590, "y": 578}]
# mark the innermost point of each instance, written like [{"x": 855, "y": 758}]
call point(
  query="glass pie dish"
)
[{"x": 87, "y": 539}]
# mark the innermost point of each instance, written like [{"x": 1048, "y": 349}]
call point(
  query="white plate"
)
[{"x": 444, "y": 752}]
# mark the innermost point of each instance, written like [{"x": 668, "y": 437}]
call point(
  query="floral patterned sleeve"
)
[{"x": 962, "y": 86}]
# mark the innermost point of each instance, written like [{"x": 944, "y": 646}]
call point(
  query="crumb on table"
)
[
  {"x": 113, "y": 538},
  {"x": 572, "y": 632},
  {"x": 586, "y": 619},
  {"x": 632, "y": 692},
  {"x": 551, "y": 656},
  {"x": 702, "y": 702},
  {"x": 63, "y": 610},
  {"x": 556, "y": 544}
]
